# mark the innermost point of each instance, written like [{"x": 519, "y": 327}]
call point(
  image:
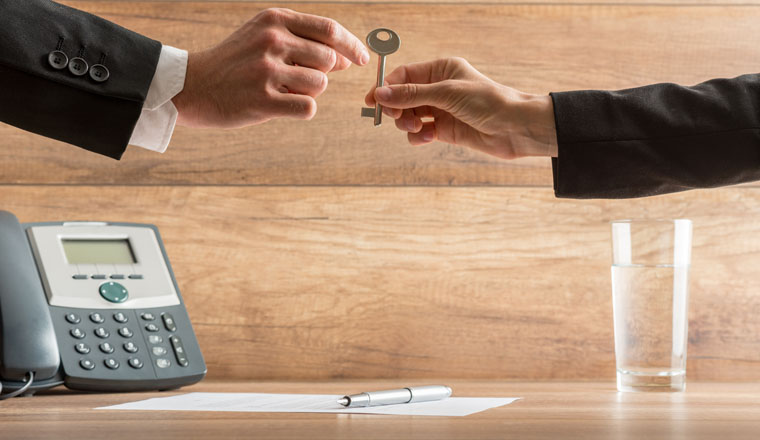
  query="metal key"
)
[{"x": 383, "y": 48}]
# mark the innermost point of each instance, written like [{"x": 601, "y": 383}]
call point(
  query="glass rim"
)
[{"x": 649, "y": 220}]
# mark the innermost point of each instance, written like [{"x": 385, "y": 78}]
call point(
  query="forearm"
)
[
  {"x": 84, "y": 107},
  {"x": 657, "y": 139}
]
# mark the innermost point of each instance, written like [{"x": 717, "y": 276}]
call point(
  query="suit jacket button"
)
[
  {"x": 99, "y": 73},
  {"x": 58, "y": 60},
  {"x": 78, "y": 66}
]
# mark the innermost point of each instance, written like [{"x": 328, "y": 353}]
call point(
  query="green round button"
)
[{"x": 113, "y": 292}]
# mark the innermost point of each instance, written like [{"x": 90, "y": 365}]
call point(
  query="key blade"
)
[{"x": 368, "y": 112}]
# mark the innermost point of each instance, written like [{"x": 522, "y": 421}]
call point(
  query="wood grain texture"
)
[
  {"x": 588, "y": 411},
  {"x": 509, "y": 283},
  {"x": 536, "y": 48},
  {"x": 718, "y": 3}
]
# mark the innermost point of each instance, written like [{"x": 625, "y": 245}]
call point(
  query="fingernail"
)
[
  {"x": 383, "y": 93},
  {"x": 409, "y": 124},
  {"x": 427, "y": 136},
  {"x": 365, "y": 58}
]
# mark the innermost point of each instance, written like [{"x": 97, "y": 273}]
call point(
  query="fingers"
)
[
  {"x": 343, "y": 63},
  {"x": 369, "y": 99},
  {"x": 329, "y": 32},
  {"x": 290, "y": 105},
  {"x": 315, "y": 55},
  {"x": 311, "y": 54},
  {"x": 408, "y": 122},
  {"x": 441, "y": 95},
  {"x": 302, "y": 80},
  {"x": 425, "y": 135}
]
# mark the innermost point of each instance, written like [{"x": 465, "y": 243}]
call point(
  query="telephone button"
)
[
  {"x": 79, "y": 276},
  {"x": 169, "y": 322},
  {"x": 151, "y": 327},
  {"x": 147, "y": 316},
  {"x": 98, "y": 277},
  {"x": 77, "y": 333},
  {"x": 73, "y": 318},
  {"x": 159, "y": 351},
  {"x": 101, "y": 333},
  {"x": 135, "y": 363},
  {"x": 130, "y": 347},
  {"x": 120, "y": 317},
  {"x": 106, "y": 348},
  {"x": 155, "y": 339},
  {"x": 113, "y": 292},
  {"x": 179, "y": 350},
  {"x": 82, "y": 348},
  {"x": 87, "y": 364},
  {"x": 135, "y": 276},
  {"x": 117, "y": 276},
  {"x": 163, "y": 363},
  {"x": 97, "y": 318},
  {"x": 111, "y": 363},
  {"x": 125, "y": 332}
]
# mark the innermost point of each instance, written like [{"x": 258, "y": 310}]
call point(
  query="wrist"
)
[
  {"x": 540, "y": 132},
  {"x": 186, "y": 101}
]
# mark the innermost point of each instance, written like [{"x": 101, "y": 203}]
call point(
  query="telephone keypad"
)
[{"x": 105, "y": 348}]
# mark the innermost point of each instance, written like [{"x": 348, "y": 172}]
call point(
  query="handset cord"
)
[{"x": 18, "y": 391}]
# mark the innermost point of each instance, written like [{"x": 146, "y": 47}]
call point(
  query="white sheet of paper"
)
[{"x": 312, "y": 403}]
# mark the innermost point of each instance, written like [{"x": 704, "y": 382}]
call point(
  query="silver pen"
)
[{"x": 392, "y": 397}]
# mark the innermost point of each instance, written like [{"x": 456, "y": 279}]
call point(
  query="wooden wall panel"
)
[
  {"x": 325, "y": 282},
  {"x": 717, "y": 3},
  {"x": 537, "y": 48}
]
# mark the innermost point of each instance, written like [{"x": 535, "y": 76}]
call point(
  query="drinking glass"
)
[{"x": 650, "y": 295}]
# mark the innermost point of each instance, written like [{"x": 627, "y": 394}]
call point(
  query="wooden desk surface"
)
[{"x": 586, "y": 410}]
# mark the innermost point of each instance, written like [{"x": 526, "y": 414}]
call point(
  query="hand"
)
[
  {"x": 467, "y": 108},
  {"x": 273, "y": 66}
]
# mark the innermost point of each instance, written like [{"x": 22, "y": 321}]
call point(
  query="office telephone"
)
[{"x": 93, "y": 306}]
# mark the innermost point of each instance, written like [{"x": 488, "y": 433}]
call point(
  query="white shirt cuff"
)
[{"x": 156, "y": 123}]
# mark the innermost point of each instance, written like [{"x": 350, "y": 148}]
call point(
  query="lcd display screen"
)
[{"x": 98, "y": 251}]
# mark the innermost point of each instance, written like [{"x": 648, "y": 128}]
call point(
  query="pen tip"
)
[{"x": 344, "y": 401}]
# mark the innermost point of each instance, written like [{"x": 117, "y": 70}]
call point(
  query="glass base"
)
[{"x": 663, "y": 382}]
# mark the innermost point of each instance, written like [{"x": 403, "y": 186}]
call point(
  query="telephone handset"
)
[{"x": 93, "y": 306}]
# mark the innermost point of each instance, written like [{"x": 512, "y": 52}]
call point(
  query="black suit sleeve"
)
[
  {"x": 657, "y": 139},
  {"x": 75, "y": 107}
]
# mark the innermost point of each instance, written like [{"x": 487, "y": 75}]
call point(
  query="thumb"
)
[{"x": 414, "y": 95}]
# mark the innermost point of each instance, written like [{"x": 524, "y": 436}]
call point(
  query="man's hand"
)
[
  {"x": 467, "y": 108},
  {"x": 273, "y": 66}
]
